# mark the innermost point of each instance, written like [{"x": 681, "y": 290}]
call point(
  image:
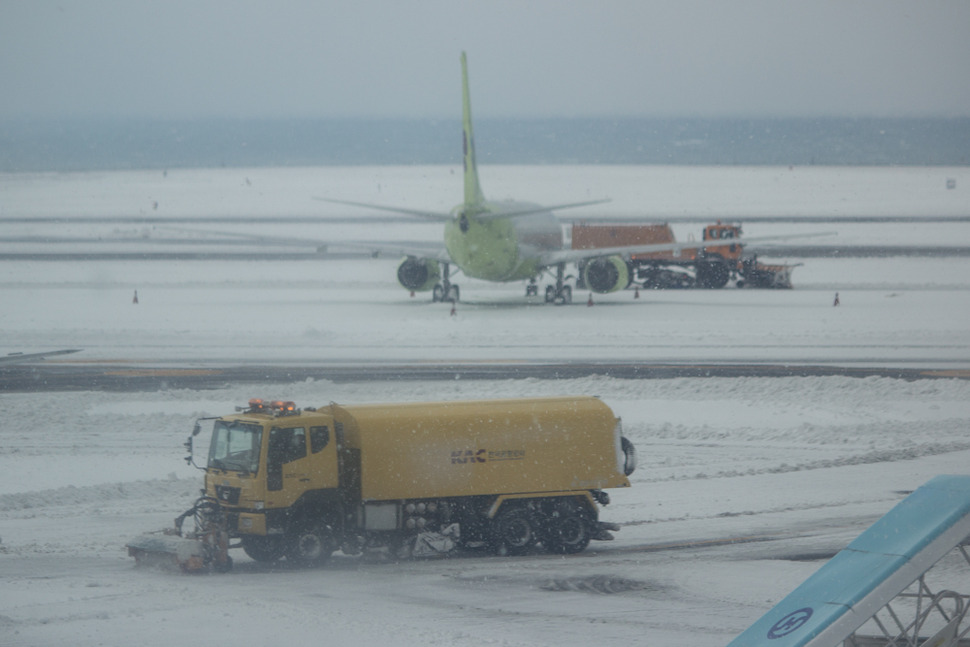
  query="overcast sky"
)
[{"x": 394, "y": 58}]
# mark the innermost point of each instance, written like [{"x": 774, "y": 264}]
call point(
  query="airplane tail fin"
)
[{"x": 473, "y": 189}]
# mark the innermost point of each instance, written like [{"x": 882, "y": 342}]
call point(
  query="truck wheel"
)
[
  {"x": 567, "y": 533},
  {"x": 513, "y": 532},
  {"x": 310, "y": 545},
  {"x": 713, "y": 273},
  {"x": 263, "y": 549}
]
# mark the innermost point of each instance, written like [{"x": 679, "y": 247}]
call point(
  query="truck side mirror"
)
[{"x": 196, "y": 430}]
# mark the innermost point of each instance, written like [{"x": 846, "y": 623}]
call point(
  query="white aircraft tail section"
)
[{"x": 883, "y": 570}]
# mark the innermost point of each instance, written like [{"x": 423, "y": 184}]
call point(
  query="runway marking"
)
[
  {"x": 167, "y": 372},
  {"x": 963, "y": 374}
]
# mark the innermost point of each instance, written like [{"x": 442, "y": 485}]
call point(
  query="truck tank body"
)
[
  {"x": 585, "y": 236},
  {"x": 455, "y": 449}
]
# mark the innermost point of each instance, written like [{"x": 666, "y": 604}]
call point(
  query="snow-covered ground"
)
[
  {"x": 739, "y": 479},
  {"x": 784, "y": 466},
  {"x": 655, "y": 192}
]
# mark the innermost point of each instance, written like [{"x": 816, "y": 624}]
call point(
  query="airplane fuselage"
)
[{"x": 501, "y": 249}]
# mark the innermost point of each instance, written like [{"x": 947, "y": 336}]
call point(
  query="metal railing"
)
[{"x": 911, "y": 615}]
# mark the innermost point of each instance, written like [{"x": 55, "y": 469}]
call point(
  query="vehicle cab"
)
[{"x": 262, "y": 461}]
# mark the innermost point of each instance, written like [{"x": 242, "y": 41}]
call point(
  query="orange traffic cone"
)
[
  {"x": 636, "y": 293},
  {"x": 589, "y": 302}
]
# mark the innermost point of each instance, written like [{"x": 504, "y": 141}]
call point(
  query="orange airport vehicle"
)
[{"x": 710, "y": 266}]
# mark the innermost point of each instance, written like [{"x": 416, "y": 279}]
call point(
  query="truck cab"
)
[
  {"x": 729, "y": 235},
  {"x": 265, "y": 462}
]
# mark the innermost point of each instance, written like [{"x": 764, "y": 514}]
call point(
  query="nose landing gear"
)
[{"x": 445, "y": 291}]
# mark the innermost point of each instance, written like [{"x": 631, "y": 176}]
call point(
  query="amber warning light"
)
[{"x": 276, "y": 407}]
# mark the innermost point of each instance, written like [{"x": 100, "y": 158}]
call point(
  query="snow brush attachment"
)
[{"x": 203, "y": 547}]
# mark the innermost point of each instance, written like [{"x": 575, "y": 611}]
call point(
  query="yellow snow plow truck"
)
[{"x": 408, "y": 479}]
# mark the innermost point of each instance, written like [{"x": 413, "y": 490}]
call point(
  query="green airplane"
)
[
  {"x": 493, "y": 241},
  {"x": 504, "y": 241}
]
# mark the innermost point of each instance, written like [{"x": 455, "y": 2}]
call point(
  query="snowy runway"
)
[
  {"x": 739, "y": 479},
  {"x": 794, "y": 467}
]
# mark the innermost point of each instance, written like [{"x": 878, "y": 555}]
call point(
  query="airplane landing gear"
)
[
  {"x": 445, "y": 291},
  {"x": 451, "y": 294},
  {"x": 564, "y": 296},
  {"x": 560, "y": 293}
]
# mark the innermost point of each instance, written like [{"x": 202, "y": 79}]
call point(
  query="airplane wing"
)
[
  {"x": 574, "y": 255},
  {"x": 418, "y": 213},
  {"x": 872, "y": 570},
  {"x": 22, "y": 358},
  {"x": 487, "y": 215},
  {"x": 528, "y": 211},
  {"x": 420, "y": 249}
]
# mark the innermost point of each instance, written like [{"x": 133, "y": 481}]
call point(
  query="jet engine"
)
[
  {"x": 607, "y": 274},
  {"x": 418, "y": 274}
]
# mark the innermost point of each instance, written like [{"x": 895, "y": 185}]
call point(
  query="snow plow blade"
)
[
  {"x": 161, "y": 549},
  {"x": 204, "y": 547}
]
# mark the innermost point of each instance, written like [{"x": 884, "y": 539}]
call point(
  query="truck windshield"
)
[{"x": 235, "y": 446}]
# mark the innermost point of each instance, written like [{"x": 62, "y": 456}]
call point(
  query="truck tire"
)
[
  {"x": 513, "y": 532},
  {"x": 263, "y": 549},
  {"x": 567, "y": 531},
  {"x": 712, "y": 272},
  {"x": 309, "y": 544}
]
